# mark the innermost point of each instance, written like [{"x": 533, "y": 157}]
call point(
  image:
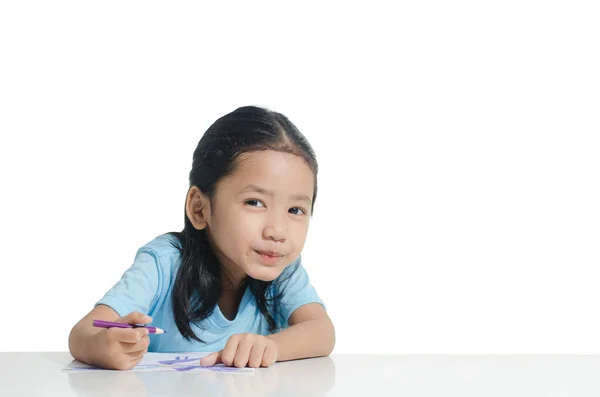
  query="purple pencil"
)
[{"x": 111, "y": 324}]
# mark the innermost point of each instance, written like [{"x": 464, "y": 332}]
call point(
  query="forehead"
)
[{"x": 277, "y": 171}]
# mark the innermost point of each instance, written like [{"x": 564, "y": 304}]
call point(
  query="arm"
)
[
  {"x": 311, "y": 334},
  {"x": 114, "y": 348},
  {"x": 119, "y": 348},
  {"x": 83, "y": 332}
]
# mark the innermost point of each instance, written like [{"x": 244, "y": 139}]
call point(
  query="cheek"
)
[
  {"x": 239, "y": 230},
  {"x": 249, "y": 226},
  {"x": 298, "y": 233}
]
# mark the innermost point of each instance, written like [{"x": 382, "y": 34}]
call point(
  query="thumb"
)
[
  {"x": 135, "y": 318},
  {"x": 211, "y": 359}
]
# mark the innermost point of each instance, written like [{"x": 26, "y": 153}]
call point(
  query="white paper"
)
[{"x": 165, "y": 362}]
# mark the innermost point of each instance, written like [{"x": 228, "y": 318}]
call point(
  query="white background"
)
[{"x": 458, "y": 144}]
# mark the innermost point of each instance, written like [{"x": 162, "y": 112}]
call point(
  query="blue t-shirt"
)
[{"x": 146, "y": 287}]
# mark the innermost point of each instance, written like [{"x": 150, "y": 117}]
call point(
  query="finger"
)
[
  {"x": 135, "y": 318},
  {"x": 128, "y": 361},
  {"x": 136, "y": 347},
  {"x": 211, "y": 359},
  {"x": 127, "y": 335},
  {"x": 138, "y": 355},
  {"x": 228, "y": 353},
  {"x": 243, "y": 353},
  {"x": 135, "y": 359},
  {"x": 269, "y": 356},
  {"x": 256, "y": 356}
]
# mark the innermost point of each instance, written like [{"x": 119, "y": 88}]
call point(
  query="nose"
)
[{"x": 274, "y": 229}]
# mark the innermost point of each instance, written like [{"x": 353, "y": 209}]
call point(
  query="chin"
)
[{"x": 263, "y": 273}]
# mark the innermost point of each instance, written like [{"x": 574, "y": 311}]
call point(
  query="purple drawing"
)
[
  {"x": 178, "y": 360},
  {"x": 165, "y": 361}
]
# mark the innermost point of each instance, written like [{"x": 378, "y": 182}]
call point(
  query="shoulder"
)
[
  {"x": 163, "y": 251},
  {"x": 293, "y": 289},
  {"x": 145, "y": 284},
  {"x": 290, "y": 269},
  {"x": 293, "y": 276},
  {"x": 164, "y": 246}
]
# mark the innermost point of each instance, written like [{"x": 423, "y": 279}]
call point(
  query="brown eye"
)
[
  {"x": 296, "y": 211},
  {"x": 254, "y": 203}
]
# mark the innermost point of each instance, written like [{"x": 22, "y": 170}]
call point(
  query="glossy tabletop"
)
[{"x": 41, "y": 374}]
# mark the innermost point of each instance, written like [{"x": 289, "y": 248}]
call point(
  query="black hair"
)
[{"x": 198, "y": 282}]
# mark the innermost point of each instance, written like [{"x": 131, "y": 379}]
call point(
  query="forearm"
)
[
  {"x": 310, "y": 338},
  {"x": 79, "y": 342}
]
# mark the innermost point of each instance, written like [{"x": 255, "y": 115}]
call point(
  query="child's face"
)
[{"x": 261, "y": 213}]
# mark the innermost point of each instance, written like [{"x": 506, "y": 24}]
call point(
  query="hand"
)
[
  {"x": 244, "y": 350},
  {"x": 123, "y": 348}
]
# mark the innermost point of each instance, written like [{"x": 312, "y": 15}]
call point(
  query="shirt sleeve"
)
[
  {"x": 295, "y": 290},
  {"x": 137, "y": 290}
]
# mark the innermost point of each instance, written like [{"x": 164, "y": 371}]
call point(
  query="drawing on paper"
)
[{"x": 182, "y": 362}]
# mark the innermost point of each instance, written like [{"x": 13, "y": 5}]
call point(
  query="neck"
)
[
  {"x": 232, "y": 282},
  {"x": 232, "y": 277}
]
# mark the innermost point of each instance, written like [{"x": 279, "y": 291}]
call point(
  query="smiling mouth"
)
[{"x": 271, "y": 254}]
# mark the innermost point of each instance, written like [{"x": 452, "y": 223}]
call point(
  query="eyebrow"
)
[{"x": 261, "y": 190}]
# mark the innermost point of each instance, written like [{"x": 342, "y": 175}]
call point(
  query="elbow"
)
[
  {"x": 330, "y": 339},
  {"x": 72, "y": 344},
  {"x": 75, "y": 342}
]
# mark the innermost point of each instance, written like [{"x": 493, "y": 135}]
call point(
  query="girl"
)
[{"x": 231, "y": 282}]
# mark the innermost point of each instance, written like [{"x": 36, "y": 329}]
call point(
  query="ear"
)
[{"x": 197, "y": 208}]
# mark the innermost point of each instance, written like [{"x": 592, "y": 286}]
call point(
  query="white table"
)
[{"x": 40, "y": 374}]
